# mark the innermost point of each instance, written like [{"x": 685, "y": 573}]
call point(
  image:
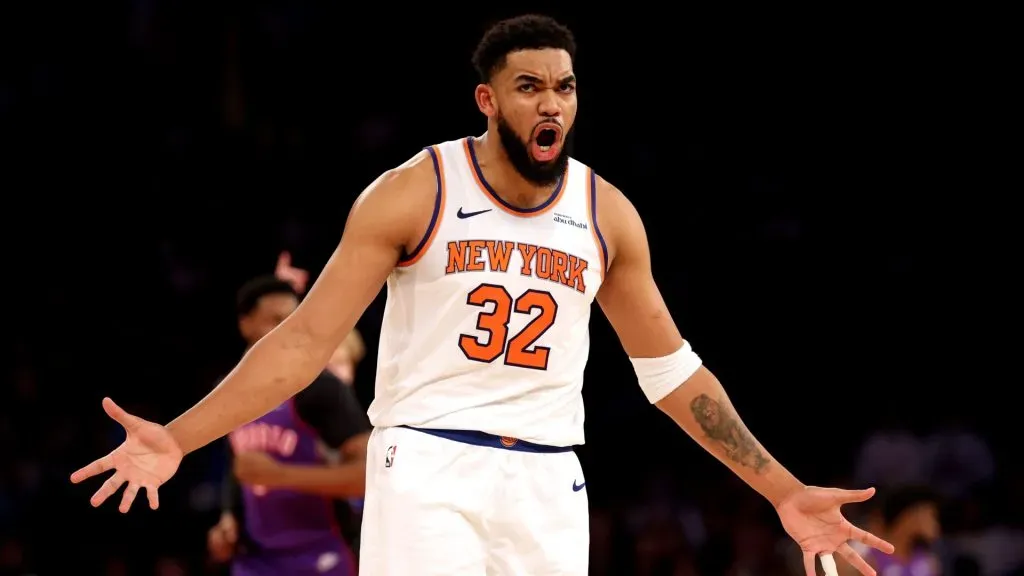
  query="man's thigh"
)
[
  {"x": 540, "y": 520},
  {"x": 422, "y": 508}
]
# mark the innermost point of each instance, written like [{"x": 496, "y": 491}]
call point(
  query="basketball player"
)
[
  {"x": 346, "y": 358},
  {"x": 493, "y": 249},
  {"x": 909, "y": 518},
  {"x": 290, "y": 521}
]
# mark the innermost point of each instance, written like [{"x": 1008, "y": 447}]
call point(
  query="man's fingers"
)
[
  {"x": 153, "y": 494},
  {"x": 97, "y": 467},
  {"x": 870, "y": 539},
  {"x": 851, "y": 556},
  {"x": 852, "y": 496},
  {"x": 107, "y": 489},
  {"x": 284, "y": 260},
  {"x": 128, "y": 497},
  {"x": 117, "y": 413},
  {"x": 809, "y": 564}
]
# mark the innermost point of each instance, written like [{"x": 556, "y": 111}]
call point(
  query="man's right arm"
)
[{"x": 392, "y": 214}]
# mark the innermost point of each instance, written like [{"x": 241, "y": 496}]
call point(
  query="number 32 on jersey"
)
[{"x": 495, "y": 323}]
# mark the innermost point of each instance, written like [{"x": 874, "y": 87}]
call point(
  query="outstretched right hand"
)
[{"x": 147, "y": 458}]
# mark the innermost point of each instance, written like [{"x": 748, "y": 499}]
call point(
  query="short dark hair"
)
[
  {"x": 530, "y": 32},
  {"x": 250, "y": 293},
  {"x": 899, "y": 500}
]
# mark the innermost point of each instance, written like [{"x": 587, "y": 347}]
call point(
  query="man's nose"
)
[{"x": 548, "y": 105}]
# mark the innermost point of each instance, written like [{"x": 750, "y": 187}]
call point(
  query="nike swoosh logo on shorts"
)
[{"x": 577, "y": 487}]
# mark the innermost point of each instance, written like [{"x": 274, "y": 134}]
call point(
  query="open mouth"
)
[
  {"x": 546, "y": 138},
  {"x": 546, "y": 142}
]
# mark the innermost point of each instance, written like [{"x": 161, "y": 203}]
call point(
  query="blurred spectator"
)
[
  {"x": 12, "y": 557},
  {"x": 661, "y": 545},
  {"x": 755, "y": 542},
  {"x": 908, "y": 518},
  {"x": 170, "y": 567},
  {"x": 662, "y": 550},
  {"x": 958, "y": 460},
  {"x": 997, "y": 550},
  {"x": 891, "y": 458}
]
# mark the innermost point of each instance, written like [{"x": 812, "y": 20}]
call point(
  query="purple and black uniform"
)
[
  {"x": 919, "y": 564},
  {"x": 288, "y": 532}
]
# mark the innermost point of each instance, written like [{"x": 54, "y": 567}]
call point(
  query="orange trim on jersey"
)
[
  {"x": 489, "y": 192},
  {"x": 602, "y": 248},
  {"x": 436, "y": 217}
]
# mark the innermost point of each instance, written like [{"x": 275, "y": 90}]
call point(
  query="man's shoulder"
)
[{"x": 403, "y": 187}]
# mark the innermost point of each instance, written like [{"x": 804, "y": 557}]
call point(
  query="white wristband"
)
[{"x": 658, "y": 377}]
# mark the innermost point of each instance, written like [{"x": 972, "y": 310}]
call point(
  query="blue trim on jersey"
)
[
  {"x": 491, "y": 441},
  {"x": 437, "y": 210},
  {"x": 480, "y": 175},
  {"x": 593, "y": 216}
]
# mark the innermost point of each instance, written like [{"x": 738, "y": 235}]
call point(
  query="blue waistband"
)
[{"x": 491, "y": 441}]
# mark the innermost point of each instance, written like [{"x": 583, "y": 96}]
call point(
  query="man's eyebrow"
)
[
  {"x": 531, "y": 78},
  {"x": 528, "y": 78}
]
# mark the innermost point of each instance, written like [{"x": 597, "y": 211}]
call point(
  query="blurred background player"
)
[
  {"x": 347, "y": 356},
  {"x": 291, "y": 470},
  {"x": 909, "y": 519}
]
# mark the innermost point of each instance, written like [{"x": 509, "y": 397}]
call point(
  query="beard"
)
[{"x": 518, "y": 152}]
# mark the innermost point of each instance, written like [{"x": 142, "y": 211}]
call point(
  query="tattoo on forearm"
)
[{"x": 722, "y": 425}]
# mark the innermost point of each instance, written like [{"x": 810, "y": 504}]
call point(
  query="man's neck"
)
[{"x": 506, "y": 181}]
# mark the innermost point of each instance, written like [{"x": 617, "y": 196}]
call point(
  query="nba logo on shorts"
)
[{"x": 389, "y": 456}]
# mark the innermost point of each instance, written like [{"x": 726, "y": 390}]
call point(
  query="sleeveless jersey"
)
[
  {"x": 919, "y": 564},
  {"x": 285, "y": 520},
  {"x": 486, "y": 325}
]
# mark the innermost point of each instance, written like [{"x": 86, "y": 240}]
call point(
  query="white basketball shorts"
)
[{"x": 458, "y": 503}]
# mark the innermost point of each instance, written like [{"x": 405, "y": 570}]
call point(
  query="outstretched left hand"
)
[{"x": 811, "y": 516}]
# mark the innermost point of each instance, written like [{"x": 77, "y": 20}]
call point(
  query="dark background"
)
[{"x": 822, "y": 191}]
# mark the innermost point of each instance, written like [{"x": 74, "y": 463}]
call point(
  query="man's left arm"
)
[
  {"x": 674, "y": 379},
  {"x": 676, "y": 382}
]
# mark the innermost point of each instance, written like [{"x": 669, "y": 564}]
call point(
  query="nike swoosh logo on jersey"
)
[
  {"x": 463, "y": 215},
  {"x": 577, "y": 487}
]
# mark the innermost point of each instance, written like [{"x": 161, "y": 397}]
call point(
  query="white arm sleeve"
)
[{"x": 658, "y": 377}]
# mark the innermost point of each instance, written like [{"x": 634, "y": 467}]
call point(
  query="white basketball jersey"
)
[{"x": 486, "y": 325}]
